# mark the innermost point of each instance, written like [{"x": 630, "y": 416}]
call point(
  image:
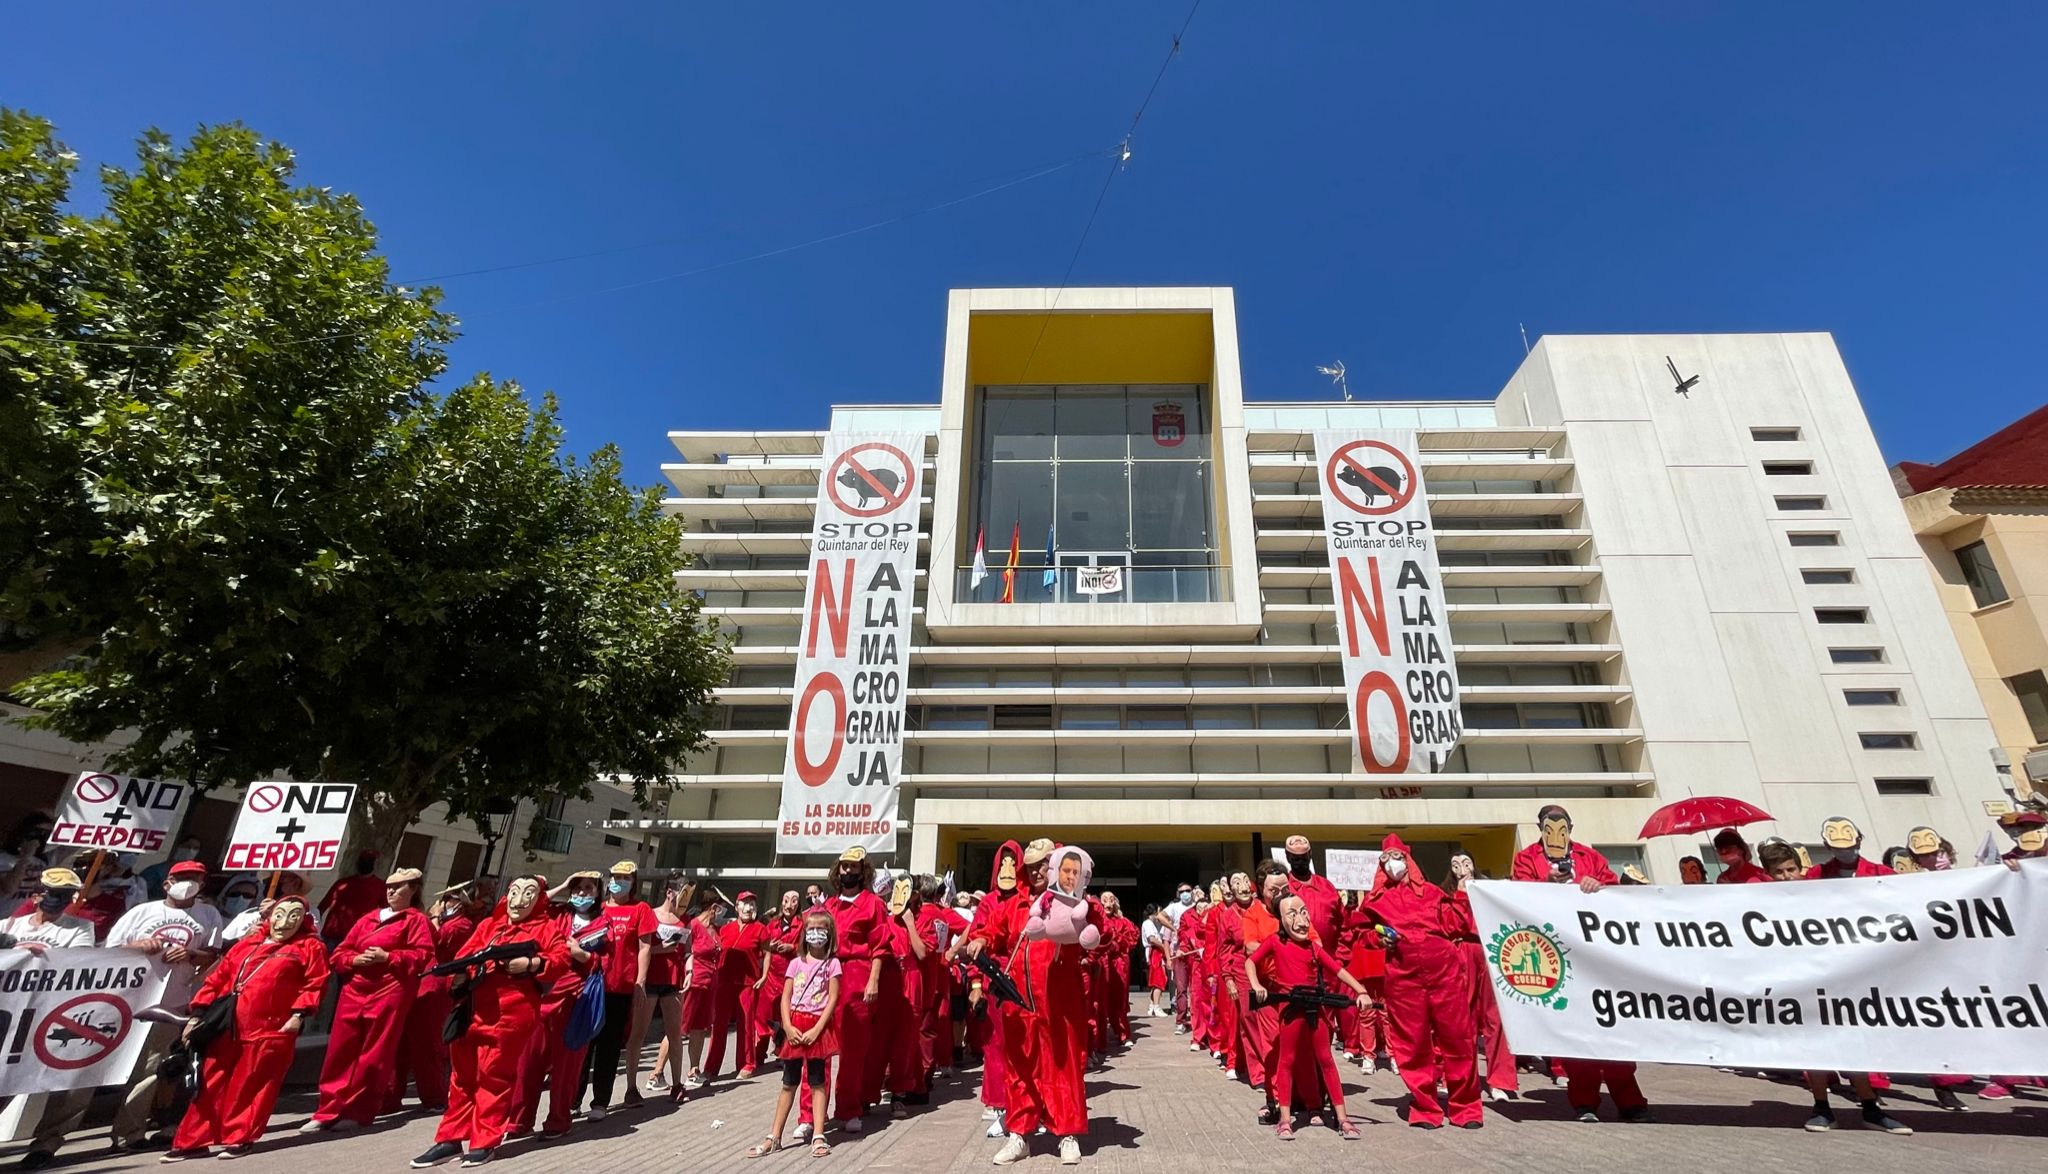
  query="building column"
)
[{"x": 924, "y": 848}]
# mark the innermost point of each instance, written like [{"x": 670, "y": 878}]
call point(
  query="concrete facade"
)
[{"x": 1632, "y": 620}]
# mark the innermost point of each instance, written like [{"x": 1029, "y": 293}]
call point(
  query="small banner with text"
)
[{"x": 70, "y": 1018}]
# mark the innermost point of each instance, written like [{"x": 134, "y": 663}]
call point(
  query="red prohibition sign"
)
[
  {"x": 101, "y": 1042},
  {"x": 850, "y": 476},
  {"x": 97, "y": 788},
  {"x": 264, "y": 800},
  {"x": 1345, "y": 475}
]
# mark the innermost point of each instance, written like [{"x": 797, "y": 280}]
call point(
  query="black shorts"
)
[
  {"x": 794, "y": 1072},
  {"x": 663, "y": 990}
]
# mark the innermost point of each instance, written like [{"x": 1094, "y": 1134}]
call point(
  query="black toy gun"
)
[
  {"x": 486, "y": 956},
  {"x": 596, "y": 943},
  {"x": 998, "y": 983},
  {"x": 1315, "y": 997}
]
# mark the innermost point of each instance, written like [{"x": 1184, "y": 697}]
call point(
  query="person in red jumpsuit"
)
[
  {"x": 422, "y": 1056},
  {"x": 1005, "y": 887},
  {"x": 906, "y": 1077},
  {"x": 785, "y": 936},
  {"x": 550, "y": 1061},
  {"x": 940, "y": 926},
  {"x": 735, "y": 994},
  {"x": 505, "y": 1000},
  {"x": 1841, "y": 853},
  {"x": 276, "y": 978},
  {"x": 1325, "y": 905},
  {"x": 1303, "y": 1072},
  {"x": 1429, "y": 1006},
  {"x": 1226, "y": 955},
  {"x": 1736, "y": 866},
  {"x": 382, "y": 956},
  {"x": 1122, "y": 938},
  {"x": 351, "y": 897},
  {"x": 1044, "y": 1052},
  {"x": 1191, "y": 947},
  {"x": 1365, "y": 1028},
  {"x": 1556, "y": 858},
  {"x": 1502, "y": 1082}
]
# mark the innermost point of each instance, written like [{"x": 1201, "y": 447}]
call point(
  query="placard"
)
[
  {"x": 1099, "y": 580},
  {"x": 1351, "y": 870},
  {"x": 297, "y": 826},
  {"x": 841, "y": 775},
  {"x": 1394, "y": 635},
  {"x": 69, "y": 1018},
  {"x": 116, "y": 813}
]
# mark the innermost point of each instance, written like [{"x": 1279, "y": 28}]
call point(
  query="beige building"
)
[{"x": 1982, "y": 520}]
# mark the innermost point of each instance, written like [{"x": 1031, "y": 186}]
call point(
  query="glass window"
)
[
  {"x": 1822, "y": 578},
  {"x": 1981, "y": 574},
  {"x": 2032, "y": 690},
  {"x": 1856, "y": 655},
  {"x": 1871, "y": 696},
  {"x": 1168, "y": 422},
  {"x": 1788, "y": 468},
  {"x": 1802, "y": 503},
  {"x": 1156, "y": 717},
  {"x": 1888, "y": 741},
  {"x": 1814, "y": 539},
  {"x": 1094, "y": 506},
  {"x": 1774, "y": 435},
  {"x": 1904, "y": 786},
  {"x": 1842, "y": 615},
  {"x": 1089, "y": 422},
  {"x": 1170, "y": 506},
  {"x": 1017, "y": 424},
  {"x": 956, "y": 717}
]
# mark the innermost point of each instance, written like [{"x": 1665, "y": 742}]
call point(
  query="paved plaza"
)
[{"x": 1159, "y": 1109}]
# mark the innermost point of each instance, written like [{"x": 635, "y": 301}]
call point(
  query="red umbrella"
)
[{"x": 1698, "y": 813}]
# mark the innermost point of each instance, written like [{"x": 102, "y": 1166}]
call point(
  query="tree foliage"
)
[{"x": 276, "y": 548}]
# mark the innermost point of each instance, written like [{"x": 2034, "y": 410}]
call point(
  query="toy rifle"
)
[
  {"x": 484, "y": 957},
  {"x": 1000, "y": 984},
  {"x": 1314, "y": 998}
]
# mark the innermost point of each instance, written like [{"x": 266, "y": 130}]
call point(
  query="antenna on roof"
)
[
  {"x": 1525, "y": 337},
  {"x": 1336, "y": 374}
]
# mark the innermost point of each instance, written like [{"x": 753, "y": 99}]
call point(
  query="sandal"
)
[
  {"x": 764, "y": 1147},
  {"x": 821, "y": 1148},
  {"x": 1349, "y": 1132}
]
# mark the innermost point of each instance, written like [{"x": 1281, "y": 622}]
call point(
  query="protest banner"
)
[
  {"x": 1394, "y": 635},
  {"x": 298, "y": 826},
  {"x": 1351, "y": 869},
  {"x": 1923, "y": 972},
  {"x": 115, "y": 813},
  {"x": 841, "y": 773},
  {"x": 70, "y": 1018}
]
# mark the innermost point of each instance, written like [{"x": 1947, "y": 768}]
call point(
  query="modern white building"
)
[{"x": 1653, "y": 593}]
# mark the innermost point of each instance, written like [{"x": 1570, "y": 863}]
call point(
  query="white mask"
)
[
  {"x": 182, "y": 890},
  {"x": 1397, "y": 868}
]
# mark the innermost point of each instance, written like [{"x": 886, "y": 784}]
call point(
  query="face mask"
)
[
  {"x": 816, "y": 937},
  {"x": 234, "y": 905},
  {"x": 583, "y": 902},
  {"x": 619, "y": 888},
  {"x": 182, "y": 890},
  {"x": 1397, "y": 868},
  {"x": 1298, "y": 865},
  {"x": 1846, "y": 855},
  {"x": 184, "y": 854},
  {"x": 848, "y": 882},
  {"x": 55, "y": 903}
]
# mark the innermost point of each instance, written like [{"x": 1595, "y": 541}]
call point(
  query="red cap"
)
[
  {"x": 188, "y": 868},
  {"x": 745, "y": 895}
]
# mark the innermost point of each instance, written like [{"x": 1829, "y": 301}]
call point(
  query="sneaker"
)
[
  {"x": 1070, "y": 1151},
  {"x": 173, "y": 1155},
  {"x": 746, "y": 1074},
  {"x": 1471, "y": 1124},
  {"x": 1497, "y": 1095},
  {"x": 995, "y": 1128},
  {"x": 316, "y": 1125},
  {"x": 237, "y": 1151},
  {"x": 1270, "y": 1115},
  {"x": 1823, "y": 1119},
  {"x": 1589, "y": 1117},
  {"x": 476, "y": 1158},
  {"x": 694, "y": 1080},
  {"x": 1947, "y": 1099},
  {"x": 1368, "y": 1064},
  {"x": 991, "y": 1114},
  {"x": 852, "y": 1125},
  {"x": 596, "y": 1113},
  {"x": 439, "y": 1152},
  {"x": 1875, "y": 1117},
  {"x": 1994, "y": 1091},
  {"x": 802, "y": 1134},
  {"x": 888, "y": 1098},
  {"x": 633, "y": 1098},
  {"x": 344, "y": 1125},
  {"x": 1014, "y": 1151},
  {"x": 1284, "y": 1131},
  {"x": 657, "y": 1082},
  {"x": 1351, "y": 1057},
  {"x": 1638, "y": 1115}
]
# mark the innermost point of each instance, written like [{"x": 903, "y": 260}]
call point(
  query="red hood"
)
[
  {"x": 1381, "y": 882},
  {"x": 1011, "y": 849}
]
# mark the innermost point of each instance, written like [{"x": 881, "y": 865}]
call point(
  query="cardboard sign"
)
[
  {"x": 1351, "y": 869},
  {"x": 119, "y": 814},
  {"x": 68, "y": 1017},
  {"x": 297, "y": 826},
  {"x": 841, "y": 773},
  {"x": 1400, "y": 682}
]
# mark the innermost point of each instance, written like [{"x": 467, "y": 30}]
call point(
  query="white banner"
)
[
  {"x": 71, "y": 1018},
  {"x": 297, "y": 826},
  {"x": 119, "y": 814},
  {"x": 845, "y": 759},
  {"x": 1925, "y": 972},
  {"x": 1393, "y": 634},
  {"x": 1099, "y": 580},
  {"x": 1351, "y": 869}
]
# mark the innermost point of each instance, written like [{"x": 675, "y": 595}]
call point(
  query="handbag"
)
[
  {"x": 586, "y": 1018},
  {"x": 215, "y": 1021}
]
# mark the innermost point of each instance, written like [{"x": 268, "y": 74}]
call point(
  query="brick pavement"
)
[{"x": 1159, "y": 1109}]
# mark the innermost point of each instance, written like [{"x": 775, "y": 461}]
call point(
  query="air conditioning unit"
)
[{"x": 2036, "y": 766}]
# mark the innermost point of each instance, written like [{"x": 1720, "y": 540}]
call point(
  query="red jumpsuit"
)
[
  {"x": 768, "y": 1000},
  {"x": 1119, "y": 993},
  {"x": 1744, "y": 873},
  {"x": 244, "y": 1069},
  {"x": 484, "y": 1091},
  {"x": 361, "y": 1067},
  {"x": 995, "y": 1080},
  {"x": 897, "y": 1013},
  {"x": 1194, "y": 942},
  {"x": 422, "y": 1057},
  {"x": 1583, "y": 1077},
  {"x": 351, "y": 898},
  {"x": 550, "y": 1061},
  {"x": 1044, "y": 1048},
  {"x": 1259, "y": 1026},
  {"x": 938, "y": 927},
  {"x": 1303, "y": 1070},
  {"x": 1429, "y": 1006},
  {"x": 1500, "y": 1058},
  {"x": 733, "y": 996},
  {"x": 1363, "y": 1033},
  {"x": 1232, "y": 1001}
]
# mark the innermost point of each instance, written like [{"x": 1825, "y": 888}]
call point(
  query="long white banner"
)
[
  {"x": 71, "y": 1018},
  {"x": 1394, "y": 636},
  {"x": 1927, "y": 972},
  {"x": 840, "y": 777}
]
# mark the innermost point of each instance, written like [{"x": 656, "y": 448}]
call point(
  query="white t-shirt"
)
[
  {"x": 64, "y": 933},
  {"x": 1153, "y": 937},
  {"x": 197, "y": 926}
]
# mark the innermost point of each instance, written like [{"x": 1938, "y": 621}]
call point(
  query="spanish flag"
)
[{"x": 1010, "y": 568}]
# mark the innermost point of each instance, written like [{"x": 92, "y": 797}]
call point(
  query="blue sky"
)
[{"x": 1396, "y": 186}]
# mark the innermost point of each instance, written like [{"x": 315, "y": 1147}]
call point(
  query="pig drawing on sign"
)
[
  {"x": 1389, "y": 478},
  {"x": 886, "y": 478}
]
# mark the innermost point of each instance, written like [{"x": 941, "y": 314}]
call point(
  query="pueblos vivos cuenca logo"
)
[{"x": 1530, "y": 964}]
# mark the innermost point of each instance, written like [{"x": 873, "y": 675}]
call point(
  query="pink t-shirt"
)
[{"x": 810, "y": 982}]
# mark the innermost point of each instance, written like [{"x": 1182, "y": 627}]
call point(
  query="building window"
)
[
  {"x": 1773, "y": 435},
  {"x": 1802, "y": 503},
  {"x": 1814, "y": 538},
  {"x": 1871, "y": 696},
  {"x": 1889, "y": 741},
  {"x": 1904, "y": 786},
  {"x": 1856, "y": 655},
  {"x": 1981, "y": 574},
  {"x": 614, "y": 841},
  {"x": 1826, "y": 577},
  {"x": 2032, "y": 690},
  {"x": 1842, "y": 615},
  {"x": 1788, "y": 468}
]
